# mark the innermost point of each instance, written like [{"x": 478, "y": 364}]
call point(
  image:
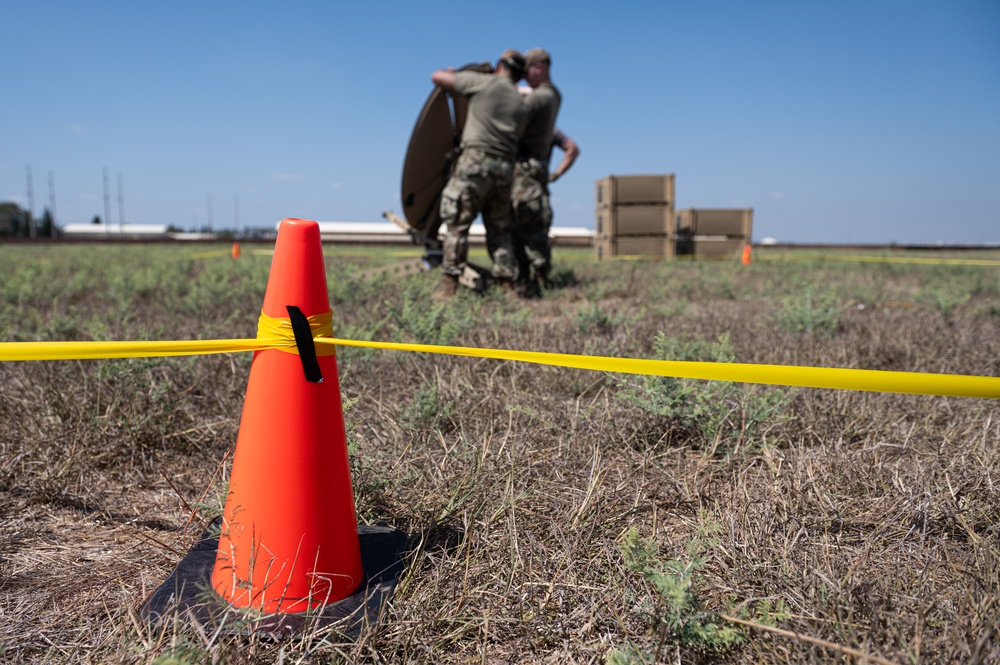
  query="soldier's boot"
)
[
  {"x": 531, "y": 289},
  {"x": 446, "y": 289},
  {"x": 542, "y": 277},
  {"x": 507, "y": 287}
]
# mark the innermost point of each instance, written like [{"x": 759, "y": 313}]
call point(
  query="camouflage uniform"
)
[
  {"x": 530, "y": 195},
  {"x": 532, "y": 217},
  {"x": 480, "y": 182},
  {"x": 481, "y": 178}
]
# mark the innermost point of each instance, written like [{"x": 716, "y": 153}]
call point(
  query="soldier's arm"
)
[
  {"x": 571, "y": 151},
  {"x": 444, "y": 78}
]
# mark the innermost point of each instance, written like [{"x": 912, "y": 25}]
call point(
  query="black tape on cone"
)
[{"x": 304, "y": 342}]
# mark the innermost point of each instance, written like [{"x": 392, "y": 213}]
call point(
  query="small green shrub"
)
[
  {"x": 673, "y": 608},
  {"x": 809, "y": 312},
  {"x": 710, "y": 412},
  {"x": 716, "y": 282},
  {"x": 432, "y": 323},
  {"x": 590, "y": 318},
  {"x": 428, "y": 410},
  {"x": 562, "y": 277},
  {"x": 512, "y": 319},
  {"x": 991, "y": 311},
  {"x": 986, "y": 283},
  {"x": 944, "y": 296},
  {"x": 671, "y": 309},
  {"x": 184, "y": 652},
  {"x": 361, "y": 330}
]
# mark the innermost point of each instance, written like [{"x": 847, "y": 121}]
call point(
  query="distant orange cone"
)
[
  {"x": 746, "y": 255},
  {"x": 236, "y": 250},
  {"x": 289, "y": 539}
]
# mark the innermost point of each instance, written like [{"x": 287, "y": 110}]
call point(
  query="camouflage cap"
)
[{"x": 537, "y": 55}]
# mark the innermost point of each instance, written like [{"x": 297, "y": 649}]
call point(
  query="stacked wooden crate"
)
[
  {"x": 713, "y": 233},
  {"x": 634, "y": 216}
]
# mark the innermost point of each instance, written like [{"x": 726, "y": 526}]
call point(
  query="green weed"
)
[
  {"x": 712, "y": 413},
  {"x": 428, "y": 410},
  {"x": 432, "y": 323},
  {"x": 810, "y": 313},
  {"x": 944, "y": 296},
  {"x": 184, "y": 652},
  {"x": 518, "y": 319},
  {"x": 561, "y": 278},
  {"x": 362, "y": 330},
  {"x": 991, "y": 311},
  {"x": 674, "y": 609},
  {"x": 717, "y": 282},
  {"x": 986, "y": 283},
  {"x": 671, "y": 309},
  {"x": 591, "y": 318}
]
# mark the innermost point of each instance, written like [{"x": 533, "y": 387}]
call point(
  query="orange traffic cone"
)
[
  {"x": 746, "y": 255},
  {"x": 289, "y": 542},
  {"x": 289, "y": 539},
  {"x": 236, "y": 250}
]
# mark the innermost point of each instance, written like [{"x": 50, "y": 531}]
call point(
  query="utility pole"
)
[
  {"x": 236, "y": 212},
  {"x": 107, "y": 203},
  {"x": 209, "y": 213},
  {"x": 121, "y": 202},
  {"x": 52, "y": 203},
  {"x": 31, "y": 204}
]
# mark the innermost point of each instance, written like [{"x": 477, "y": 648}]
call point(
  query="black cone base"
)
[{"x": 187, "y": 593}]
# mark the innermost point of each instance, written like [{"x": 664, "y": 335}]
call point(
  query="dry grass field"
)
[{"x": 553, "y": 515}]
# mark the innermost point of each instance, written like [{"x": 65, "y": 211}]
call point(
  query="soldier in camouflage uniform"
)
[
  {"x": 530, "y": 194},
  {"x": 481, "y": 178}
]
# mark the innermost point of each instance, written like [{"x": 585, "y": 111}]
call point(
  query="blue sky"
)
[{"x": 852, "y": 121}]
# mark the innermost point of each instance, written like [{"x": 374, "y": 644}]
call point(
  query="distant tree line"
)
[{"x": 16, "y": 222}]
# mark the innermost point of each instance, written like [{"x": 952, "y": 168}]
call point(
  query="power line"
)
[
  {"x": 107, "y": 202},
  {"x": 121, "y": 201},
  {"x": 31, "y": 203},
  {"x": 52, "y": 204}
]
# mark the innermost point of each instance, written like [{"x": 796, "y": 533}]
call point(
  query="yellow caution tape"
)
[
  {"x": 863, "y": 258},
  {"x": 212, "y": 254},
  {"x": 955, "y": 385},
  {"x": 276, "y": 334},
  {"x": 879, "y": 259},
  {"x": 94, "y": 350}
]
